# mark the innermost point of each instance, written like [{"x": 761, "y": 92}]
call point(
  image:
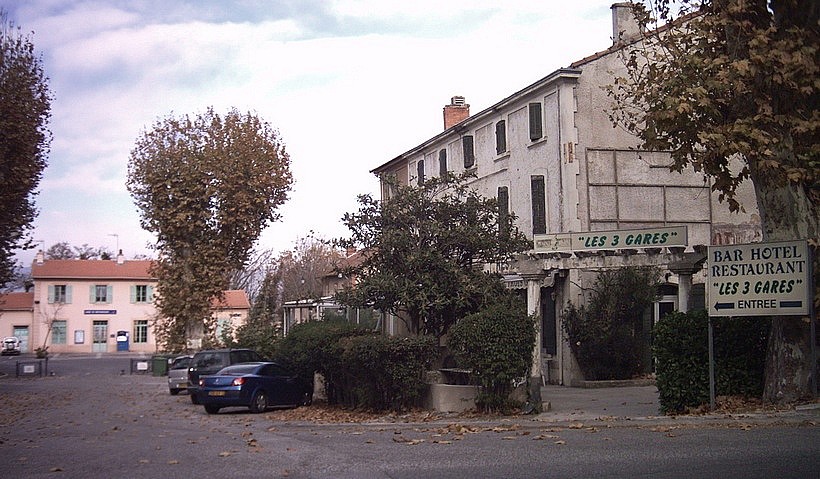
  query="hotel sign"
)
[
  {"x": 616, "y": 239},
  {"x": 759, "y": 279}
]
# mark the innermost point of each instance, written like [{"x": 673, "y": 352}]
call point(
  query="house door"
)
[
  {"x": 100, "y": 344},
  {"x": 21, "y": 333}
]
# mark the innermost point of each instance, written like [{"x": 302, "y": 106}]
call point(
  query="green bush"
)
[
  {"x": 608, "y": 336},
  {"x": 262, "y": 337},
  {"x": 496, "y": 344},
  {"x": 681, "y": 350},
  {"x": 386, "y": 372},
  {"x": 360, "y": 368}
]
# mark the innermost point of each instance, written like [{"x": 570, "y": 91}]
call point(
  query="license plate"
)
[{"x": 216, "y": 393}]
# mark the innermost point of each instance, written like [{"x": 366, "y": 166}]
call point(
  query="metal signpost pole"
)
[{"x": 711, "y": 367}]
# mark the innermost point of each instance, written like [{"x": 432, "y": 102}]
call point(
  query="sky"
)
[{"x": 348, "y": 84}]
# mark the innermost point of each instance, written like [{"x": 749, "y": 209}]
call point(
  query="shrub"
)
[
  {"x": 496, "y": 344},
  {"x": 313, "y": 347},
  {"x": 681, "y": 349},
  {"x": 386, "y": 372},
  {"x": 607, "y": 336},
  {"x": 361, "y": 368},
  {"x": 260, "y": 336}
]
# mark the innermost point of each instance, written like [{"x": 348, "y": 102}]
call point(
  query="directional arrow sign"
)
[{"x": 759, "y": 279}]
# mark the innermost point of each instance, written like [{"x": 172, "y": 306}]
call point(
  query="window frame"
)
[{"x": 140, "y": 331}]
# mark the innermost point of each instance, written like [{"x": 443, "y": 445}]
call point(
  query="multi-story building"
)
[
  {"x": 96, "y": 306},
  {"x": 550, "y": 154}
]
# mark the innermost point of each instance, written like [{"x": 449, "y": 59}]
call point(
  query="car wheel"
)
[
  {"x": 174, "y": 391},
  {"x": 194, "y": 399},
  {"x": 259, "y": 402},
  {"x": 307, "y": 398},
  {"x": 211, "y": 409}
]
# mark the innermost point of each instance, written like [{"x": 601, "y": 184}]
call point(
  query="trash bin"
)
[
  {"x": 159, "y": 365},
  {"x": 122, "y": 340}
]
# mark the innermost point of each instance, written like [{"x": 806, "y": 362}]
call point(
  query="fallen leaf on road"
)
[{"x": 225, "y": 453}]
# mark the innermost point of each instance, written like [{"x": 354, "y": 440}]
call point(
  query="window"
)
[
  {"x": 58, "y": 332},
  {"x": 141, "y": 331},
  {"x": 469, "y": 154},
  {"x": 100, "y": 293},
  {"x": 442, "y": 162},
  {"x": 503, "y": 209},
  {"x": 59, "y": 293},
  {"x": 501, "y": 137},
  {"x": 420, "y": 172},
  {"x": 539, "y": 209},
  {"x": 141, "y": 293},
  {"x": 536, "y": 122}
]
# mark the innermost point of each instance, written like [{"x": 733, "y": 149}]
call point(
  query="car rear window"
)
[
  {"x": 211, "y": 360},
  {"x": 239, "y": 370}
]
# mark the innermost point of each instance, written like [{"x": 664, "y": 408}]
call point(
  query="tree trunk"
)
[
  {"x": 788, "y": 361},
  {"x": 787, "y": 214}
]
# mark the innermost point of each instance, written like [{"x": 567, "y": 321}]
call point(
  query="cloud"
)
[{"x": 349, "y": 84}]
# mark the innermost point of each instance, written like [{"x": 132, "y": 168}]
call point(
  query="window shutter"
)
[
  {"x": 503, "y": 209},
  {"x": 469, "y": 154},
  {"x": 109, "y": 294},
  {"x": 68, "y": 294},
  {"x": 92, "y": 294},
  {"x": 150, "y": 294},
  {"x": 501, "y": 137},
  {"x": 536, "y": 122},
  {"x": 539, "y": 210},
  {"x": 50, "y": 293},
  {"x": 420, "y": 172},
  {"x": 133, "y": 294},
  {"x": 442, "y": 162}
]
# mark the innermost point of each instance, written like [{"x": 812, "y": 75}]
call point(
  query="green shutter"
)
[
  {"x": 536, "y": 122},
  {"x": 501, "y": 137},
  {"x": 469, "y": 153},
  {"x": 539, "y": 205}
]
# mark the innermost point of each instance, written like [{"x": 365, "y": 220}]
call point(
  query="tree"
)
[
  {"x": 64, "y": 250},
  {"x": 25, "y": 109},
  {"x": 206, "y": 186},
  {"x": 737, "y": 80},
  {"x": 424, "y": 250},
  {"x": 301, "y": 269}
]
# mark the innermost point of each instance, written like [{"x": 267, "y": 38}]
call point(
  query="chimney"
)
[
  {"x": 624, "y": 25},
  {"x": 456, "y": 112},
  {"x": 39, "y": 257},
  {"x": 120, "y": 258}
]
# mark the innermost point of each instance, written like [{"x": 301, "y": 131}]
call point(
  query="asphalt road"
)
[{"x": 90, "y": 421}]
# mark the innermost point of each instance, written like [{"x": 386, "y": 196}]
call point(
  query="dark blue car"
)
[{"x": 257, "y": 386}]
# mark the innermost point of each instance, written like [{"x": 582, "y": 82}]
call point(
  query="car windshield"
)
[
  {"x": 181, "y": 363},
  {"x": 239, "y": 370}
]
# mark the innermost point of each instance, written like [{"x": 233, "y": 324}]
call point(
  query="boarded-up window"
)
[
  {"x": 442, "y": 162},
  {"x": 536, "y": 122},
  {"x": 539, "y": 208},
  {"x": 469, "y": 153},
  {"x": 501, "y": 137}
]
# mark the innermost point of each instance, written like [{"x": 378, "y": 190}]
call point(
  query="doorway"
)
[
  {"x": 21, "y": 333},
  {"x": 100, "y": 344}
]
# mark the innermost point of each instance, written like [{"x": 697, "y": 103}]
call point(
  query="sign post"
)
[{"x": 761, "y": 279}]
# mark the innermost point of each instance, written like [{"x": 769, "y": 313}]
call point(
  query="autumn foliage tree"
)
[
  {"x": 730, "y": 80},
  {"x": 25, "y": 109},
  {"x": 206, "y": 186},
  {"x": 424, "y": 250}
]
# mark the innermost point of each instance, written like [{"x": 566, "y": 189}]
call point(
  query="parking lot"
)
[{"x": 91, "y": 419}]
